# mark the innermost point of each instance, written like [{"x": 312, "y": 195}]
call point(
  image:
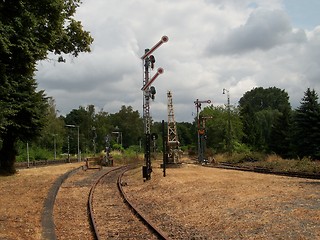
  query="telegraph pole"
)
[{"x": 149, "y": 91}]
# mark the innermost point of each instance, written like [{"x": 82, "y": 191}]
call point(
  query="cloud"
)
[
  {"x": 213, "y": 44},
  {"x": 264, "y": 30}
]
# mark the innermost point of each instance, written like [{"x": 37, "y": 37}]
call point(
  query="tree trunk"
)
[{"x": 8, "y": 156}]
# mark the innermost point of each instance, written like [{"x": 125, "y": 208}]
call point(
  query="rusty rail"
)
[{"x": 152, "y": 227}]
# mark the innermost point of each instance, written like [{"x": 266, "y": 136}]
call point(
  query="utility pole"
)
[
  {"x": 200, "y": 129},
  {"x": 149, "y": 91}
]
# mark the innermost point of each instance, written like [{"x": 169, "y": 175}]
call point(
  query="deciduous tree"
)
[
  {"x": 259, "y": 109},
  {"x": 29, "y": 30}
]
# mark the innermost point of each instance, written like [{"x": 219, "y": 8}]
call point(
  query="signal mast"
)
[
  {"x": 200, "y": 130},
  {"x": 149, "y": 92}
]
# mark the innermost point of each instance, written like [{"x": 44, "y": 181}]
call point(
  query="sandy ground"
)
[
  {"x": 204, "y": 203},
  {"x": 210, "y": 203},
  {"x": 22, "y": 199}
]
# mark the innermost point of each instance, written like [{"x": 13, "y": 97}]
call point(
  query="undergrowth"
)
[{"x": 272, "y": 162}]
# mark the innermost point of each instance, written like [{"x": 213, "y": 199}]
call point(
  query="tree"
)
[
  {"x": 103, "y": 128},
  {"x": 217, "y": 127},
  {"x": 307, "y": 126},
  {"x": 29, "y": 30},
  {"x": 186, "y": 133},
  {"x": 259, "y": 110},
  {"x": 280, "y": 137},
  {"x": 129, "y": 123},
  {"x": 53, "y": 132}
]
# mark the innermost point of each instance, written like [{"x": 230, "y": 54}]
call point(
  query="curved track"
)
[
  {"x": 92, "y": 205},
  {"x": 110, "y": 215}
]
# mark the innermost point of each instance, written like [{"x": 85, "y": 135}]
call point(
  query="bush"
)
[
  {"x": 35, "y": 153},
  {"x": 117, "y": 147}
]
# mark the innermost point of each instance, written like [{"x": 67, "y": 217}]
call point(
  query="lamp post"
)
[
  {"x": 55, "y": 146},
  {"x": 224, "y": 91},
  {"x": 119, "y": 135},
  {"x": 94, "y": 140},
  {"x": 75, "y": 126}
]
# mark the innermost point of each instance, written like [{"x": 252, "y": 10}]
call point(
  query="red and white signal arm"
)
[{"x": 160, "y": 71}]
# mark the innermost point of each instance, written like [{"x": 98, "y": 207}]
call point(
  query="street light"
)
[
  {"x": 119, "y": 134},
  {"x": 94, "y": 140},
  {"x": 75, "y": 126},
  {"x": 55, "y": 145}
]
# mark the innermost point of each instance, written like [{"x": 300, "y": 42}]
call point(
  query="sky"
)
[{"x": 213, "y": 45}]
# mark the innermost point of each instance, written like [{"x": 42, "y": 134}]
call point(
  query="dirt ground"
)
[
  {"x": 22, "y": 199},
  {"x": 210, "y": 203},
  {"x": 206, "y": 203}
]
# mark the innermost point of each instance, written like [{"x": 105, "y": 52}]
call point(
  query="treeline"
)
[{"x": 263, "y": 121}]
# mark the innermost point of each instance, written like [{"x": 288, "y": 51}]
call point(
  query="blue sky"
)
[
  {"x": 213, "y": 44},
  {"x": 304, "y": 14}
]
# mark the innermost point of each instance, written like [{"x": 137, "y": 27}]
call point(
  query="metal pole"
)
[
  {"x": 148, "y": 93},
  {"x": 28, "y": 159},
  {"x": 78, "y": 144},
  {"x": 164, "y": 144},
  {"x": 54, "y": 146},
  {"x": 74, "y": 126},
  {"x": 200, "y": 140},
  {"x": 198, "y": 129},
  {"x": 68, "y": 148},
  {"x": 229, "y": 121}
]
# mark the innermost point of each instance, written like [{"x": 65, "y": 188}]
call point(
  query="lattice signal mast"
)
[
  {"x": 149, "y": 91},
  {"x": 173, "y": 141}
]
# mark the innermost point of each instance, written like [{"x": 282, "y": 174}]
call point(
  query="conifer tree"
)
[{"x": 307, "y": 126}]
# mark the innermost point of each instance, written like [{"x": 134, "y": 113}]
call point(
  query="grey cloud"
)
[{"x": 264, "y": 29}]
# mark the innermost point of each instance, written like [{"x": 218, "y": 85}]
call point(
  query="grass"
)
[{"x": 272, "y": 162}]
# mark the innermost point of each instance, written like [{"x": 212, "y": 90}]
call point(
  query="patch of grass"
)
[
  {"x": 126, "y": 157},
  {"x": 272, "y": 162}
]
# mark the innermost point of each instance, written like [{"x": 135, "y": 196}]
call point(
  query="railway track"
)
[
  {"x": 92, "y": 205},
  {"x": 266, "y": 171}
]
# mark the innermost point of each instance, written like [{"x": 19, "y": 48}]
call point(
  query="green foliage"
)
[
  {"x": 306, "y": 139},
  {"x": 117, "y": 147},
  {"x": 217, "y": 127},
  {"x": 134, "y": 149},
  {"x": 240, "y": 147},
  {"x": 273, "y": 163},
  {"x": 28, "y": 31},
  {"x": 260, "y": 111},
  {"x": 128, "y": 122},
  {"x": 127, "y": 157},
  {"x": 35, "y": 153},
  {"x": 186, "y": 133}
]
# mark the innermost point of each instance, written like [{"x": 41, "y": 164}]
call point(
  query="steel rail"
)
[
  {"x": 90, "y": 201},
  {"x": 158, "y": 232},
  {"x": 147, "y": 222}
]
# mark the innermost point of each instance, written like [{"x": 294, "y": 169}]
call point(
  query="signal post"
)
[{"x": 149, "y": 91}]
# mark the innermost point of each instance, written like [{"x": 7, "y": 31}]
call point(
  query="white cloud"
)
[
  {"x": 264, "y": 30},
  {"x": 213, "y": 44}
]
